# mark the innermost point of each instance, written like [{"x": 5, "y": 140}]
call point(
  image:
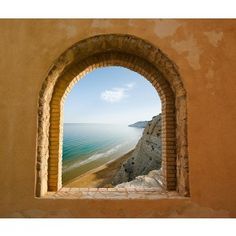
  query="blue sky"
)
[{"x": 111, "y": 95}]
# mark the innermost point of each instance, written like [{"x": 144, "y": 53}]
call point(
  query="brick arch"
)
[{"x": 113, "y": 50}]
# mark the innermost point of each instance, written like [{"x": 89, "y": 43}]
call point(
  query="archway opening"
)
[
  {"x": 112, "y": 131},
  {"x": 113, "y": 50}
]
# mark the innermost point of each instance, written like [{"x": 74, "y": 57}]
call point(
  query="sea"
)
[{"x": 88, "y": 146}]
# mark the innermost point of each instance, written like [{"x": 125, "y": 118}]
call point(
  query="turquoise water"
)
[{"x": 87, "y": 146}]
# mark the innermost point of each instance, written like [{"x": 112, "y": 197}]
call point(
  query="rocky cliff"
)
[
  {"x": 139, "y": 124},
  {"x": 151, "y": 180},
  {"x": 146, "y": 155}
]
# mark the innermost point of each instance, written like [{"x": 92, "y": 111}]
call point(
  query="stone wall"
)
[{"x": 204, "y": 52}]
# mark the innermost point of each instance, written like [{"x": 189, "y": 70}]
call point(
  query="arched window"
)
[
  {"x": 113, "y": 50},
  {"x": 111, "y": 118}
]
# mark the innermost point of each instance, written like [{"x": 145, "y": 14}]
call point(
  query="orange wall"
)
[{"x": 205, "y": 52}]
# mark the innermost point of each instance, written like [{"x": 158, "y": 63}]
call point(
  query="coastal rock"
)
[
  {"x": 139, "y": 124},
  {"x": 146, "y": 155},
  {"x": 151, "y": 180}
]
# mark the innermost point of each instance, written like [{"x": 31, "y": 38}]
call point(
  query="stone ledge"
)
[{"x": 112, "y": 194}]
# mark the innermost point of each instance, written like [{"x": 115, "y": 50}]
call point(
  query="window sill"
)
[{"x": 112, "y": 194}]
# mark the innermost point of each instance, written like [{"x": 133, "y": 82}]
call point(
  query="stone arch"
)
[{"x": 113, "y": 50}]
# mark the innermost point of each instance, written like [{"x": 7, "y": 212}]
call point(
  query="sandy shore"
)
[{"x": 99, "y": 177}]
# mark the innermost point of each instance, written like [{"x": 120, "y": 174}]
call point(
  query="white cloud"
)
[
  {"x": 130, "y": 85},
  {"x": 116, "y": 94},
  {"x": 113, "y": 95}
]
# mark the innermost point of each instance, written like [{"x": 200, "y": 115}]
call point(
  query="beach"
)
[
  {"x": 99, "y": 177},
  {"x": 87, "y": 147}
]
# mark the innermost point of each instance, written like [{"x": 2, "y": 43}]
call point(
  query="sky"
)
[{"x": 112, "y": 95}]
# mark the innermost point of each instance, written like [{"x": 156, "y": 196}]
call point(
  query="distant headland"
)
[{"x": 139, "y": 124}]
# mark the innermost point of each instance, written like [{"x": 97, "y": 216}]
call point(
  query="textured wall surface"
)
[{"x": 205, "y": 53}]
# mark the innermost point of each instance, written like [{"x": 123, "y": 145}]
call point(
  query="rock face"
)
[
  {"x": 146, "y": 155},
  {"x": 139, "y": 124},
  {"x": 151, "y": 180}
]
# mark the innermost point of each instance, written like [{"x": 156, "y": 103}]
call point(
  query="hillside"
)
[{"x": 146, "y": 156}]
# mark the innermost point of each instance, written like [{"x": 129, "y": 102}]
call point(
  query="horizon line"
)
[
  {"x": 93, "y": 123},
  {"x": 130, "y": 123}
]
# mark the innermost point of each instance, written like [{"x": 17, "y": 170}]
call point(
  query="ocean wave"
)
[{"x": 94, "y": 157}]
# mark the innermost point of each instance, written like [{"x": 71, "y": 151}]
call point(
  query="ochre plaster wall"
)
[{"x": 205, "y": 53}]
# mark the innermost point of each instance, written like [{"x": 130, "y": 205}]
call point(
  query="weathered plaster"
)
[
  {"x": 210, "y": 81},
  {"x": 214, "y": 37},
  {"x": 70, "y": 30},
  {"x": 101, "y": 24},
  {"x": 165, "y": 28},
  {"x": 29, "y": 47},
  {"x": 189, "y": 48}
]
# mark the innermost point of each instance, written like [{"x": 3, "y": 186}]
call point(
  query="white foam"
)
[{"x": 94, "y": 157}]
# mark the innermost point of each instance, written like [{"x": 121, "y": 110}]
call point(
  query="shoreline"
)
[{"x": 100, "y": 176}]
